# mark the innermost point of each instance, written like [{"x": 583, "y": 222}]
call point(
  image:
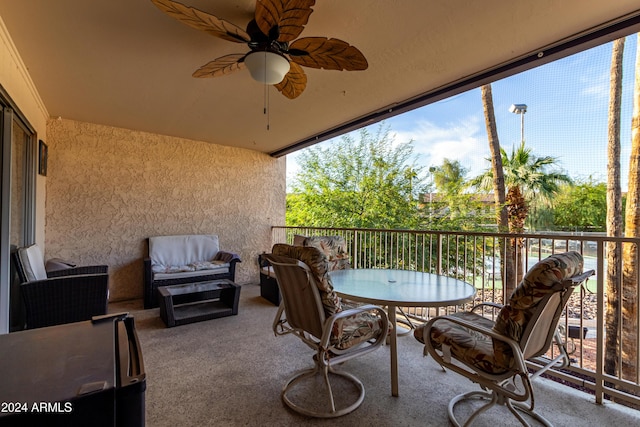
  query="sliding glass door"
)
[{"x": 17, "y": 194}]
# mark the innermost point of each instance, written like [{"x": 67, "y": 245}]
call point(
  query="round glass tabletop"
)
[{"x": 401, "y": 287}]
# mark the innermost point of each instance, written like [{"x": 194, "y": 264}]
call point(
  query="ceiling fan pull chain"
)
[
  {"x": 266, "y": 88},
  {"x": 266, "y": 94}
]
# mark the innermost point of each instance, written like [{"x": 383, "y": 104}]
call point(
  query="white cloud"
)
[
  {"x": 596, "y": 86},
  {"x": 462, "y": 141}
]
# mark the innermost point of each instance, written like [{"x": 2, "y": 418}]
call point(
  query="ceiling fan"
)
[{"x": 275, "y": 55}]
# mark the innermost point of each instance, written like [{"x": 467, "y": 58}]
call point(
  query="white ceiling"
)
[{"x": 126, "y": 64}]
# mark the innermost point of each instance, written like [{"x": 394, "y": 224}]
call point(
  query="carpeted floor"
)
[{"x": 229, "y": 372}]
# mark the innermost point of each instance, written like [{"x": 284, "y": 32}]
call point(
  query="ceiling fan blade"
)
[
  {"x": 203, "y": 21},
  {"x": 283, "y": 20},
  {"x": 330, "y": 54},
  {"x": 222, "y": 66},
  {"x": 294, "y": 82}
]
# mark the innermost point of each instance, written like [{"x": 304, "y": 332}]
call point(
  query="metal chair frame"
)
[
  {"x": 301, "y": 313},
  {"x": 513, "y": 388}
]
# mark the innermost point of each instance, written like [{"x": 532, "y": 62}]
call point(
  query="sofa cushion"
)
[
  {"x": 32, "y": 263},
  {"x": 204, "y": 267},
  {"x": 176, "y": 252},
  {"x": 220, "y": 269}
]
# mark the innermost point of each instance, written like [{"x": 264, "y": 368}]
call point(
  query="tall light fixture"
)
[
  {"x": 267, "y": 67},
  {"x": 519, "y": 109}
]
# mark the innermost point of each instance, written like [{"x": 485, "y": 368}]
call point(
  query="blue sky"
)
[{"x": 566, "y": 118}]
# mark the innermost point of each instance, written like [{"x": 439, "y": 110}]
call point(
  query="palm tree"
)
[
  {"x": 453, "y": 206},
  {"x": 496, "y": 158},
  {"x": 410, "y": 174},
  {"x": 632, "y": 229},
  {"x": 614, "y": 211},
  {"x": 502, "y": 216},
  {"x": 531, "y": 183},
  {"x": 449, "y": 178}
]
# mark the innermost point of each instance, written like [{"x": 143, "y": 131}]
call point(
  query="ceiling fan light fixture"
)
[{"x": 267, "y": 67}]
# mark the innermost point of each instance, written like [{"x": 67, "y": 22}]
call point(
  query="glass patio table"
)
[{"x": 400, "y": 288}]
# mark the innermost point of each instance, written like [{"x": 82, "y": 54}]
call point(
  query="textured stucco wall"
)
[{"x": 110, "y": 188}]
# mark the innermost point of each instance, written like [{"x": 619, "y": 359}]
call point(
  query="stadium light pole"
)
[{"x": 519, "y": 109}]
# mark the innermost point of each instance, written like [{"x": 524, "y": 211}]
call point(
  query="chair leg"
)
[
  {"x": 329, "y": 390},
  {"x": 493, "y": 399},
  {"x": 529, "y": 411},
  {"x": 406, "y": 321},
  {"x": 325, "y": 372}
]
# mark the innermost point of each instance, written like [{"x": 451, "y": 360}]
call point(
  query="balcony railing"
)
[{"x": 476, "y": 258}]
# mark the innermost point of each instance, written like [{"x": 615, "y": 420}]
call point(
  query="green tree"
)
[
  {"x": 453, "y": 208},
  {"x": 532, "y": 182},
  {"x": 450, "y": 177},
  {"x": 580, "y": 207},
  {"x": 369, "y": 182}
]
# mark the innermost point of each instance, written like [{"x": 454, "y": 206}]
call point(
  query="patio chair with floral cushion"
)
[
  {"x": 494, "y": 354},
  {"x": 334, "y": 247},
  {"x": 312, "y": 311}
]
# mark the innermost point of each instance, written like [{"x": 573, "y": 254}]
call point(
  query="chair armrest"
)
[
  {"x": 263, "y": 261},
  {"x": 74, "y": 271},
  {"x": 493, "y": 305},
  {"x": 582, "y": 280},
  {"x": 582, "y": 277},
  {"x": 69, "y": 278},
  {"x": 227, "y": 257},
  {"x": 514, "y": 345},
  {"x": 148, "y": 288},
  {"x": 146, "y": 265}
]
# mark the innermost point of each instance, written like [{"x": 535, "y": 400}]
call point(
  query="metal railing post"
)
[
  {"x": 356, "y": 252},
  {"x": 439, "y": 255},
  {"x": 600, "y": 272}
]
